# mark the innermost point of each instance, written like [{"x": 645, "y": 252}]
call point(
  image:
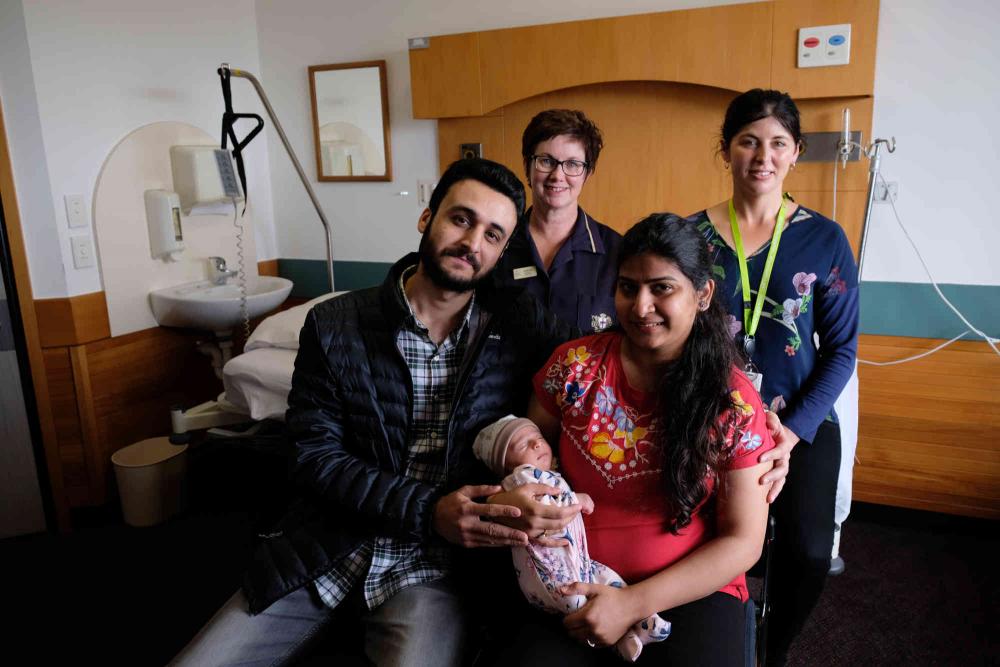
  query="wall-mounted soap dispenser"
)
[{"x": 163, "y": 215}]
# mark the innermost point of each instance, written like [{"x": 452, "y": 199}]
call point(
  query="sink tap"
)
[{"x": 217, "y": 272}]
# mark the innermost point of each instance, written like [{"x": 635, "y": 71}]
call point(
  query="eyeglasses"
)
[{"x": 545, "y": 164}]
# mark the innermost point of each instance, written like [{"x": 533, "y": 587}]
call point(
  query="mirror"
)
[{"x": 350, "y": 109}]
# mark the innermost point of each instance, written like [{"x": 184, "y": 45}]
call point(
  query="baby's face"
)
[{"x": 528, "y": 446}]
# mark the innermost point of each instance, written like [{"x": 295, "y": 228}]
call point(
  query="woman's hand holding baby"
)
[
  {"x": 586, "y": 503},
  {"x": 606, "y": 617}
]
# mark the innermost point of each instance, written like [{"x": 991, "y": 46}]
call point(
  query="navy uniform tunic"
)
[{"x": 580, "y": 285}]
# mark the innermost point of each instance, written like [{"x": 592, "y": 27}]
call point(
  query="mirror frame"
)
[{"x": 380, "y": 64}]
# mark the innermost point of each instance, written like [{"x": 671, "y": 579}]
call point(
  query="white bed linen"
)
[
  {"x": 257, "y": 382},
  {"x": 282, "y": 329}
]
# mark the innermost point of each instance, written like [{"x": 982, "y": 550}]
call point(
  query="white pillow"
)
[{"x": 282, "y": 329}]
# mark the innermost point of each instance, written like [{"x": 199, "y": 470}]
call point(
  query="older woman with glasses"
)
[{"x": 558, "y": 252}]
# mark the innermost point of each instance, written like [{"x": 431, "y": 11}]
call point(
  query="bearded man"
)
[{"x": 391, "y": 386}]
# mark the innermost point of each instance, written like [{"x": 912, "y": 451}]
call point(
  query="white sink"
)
[{"x": 205, "y": 305}]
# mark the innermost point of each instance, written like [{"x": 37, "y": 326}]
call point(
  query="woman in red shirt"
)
[{"x": 658, "y": 424}]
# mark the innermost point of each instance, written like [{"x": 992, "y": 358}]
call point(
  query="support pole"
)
[
  {"x": 295, "y": 161},
  {"x": 875, "y": 158}
]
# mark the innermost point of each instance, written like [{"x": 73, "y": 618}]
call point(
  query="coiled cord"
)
[{"x": 241, "y": 276}]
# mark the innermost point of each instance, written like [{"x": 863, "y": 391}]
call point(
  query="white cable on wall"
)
[{"x": 989, "y": 340}]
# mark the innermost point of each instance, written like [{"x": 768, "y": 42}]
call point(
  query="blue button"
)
[{"x": 837, "y": 40}]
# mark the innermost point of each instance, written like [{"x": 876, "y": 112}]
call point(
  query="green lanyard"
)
[{"x": 750, "y": 324}]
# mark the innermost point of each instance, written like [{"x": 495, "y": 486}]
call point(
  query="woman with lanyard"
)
[
  {"x": 787, "y": 275},
  {"x": 559, "y": 253}
]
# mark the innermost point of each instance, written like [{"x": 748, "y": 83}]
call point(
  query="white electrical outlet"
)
[
  {"x": 76, "y": 211},
  {"x": 885, "y": 192},
  {"x": 424, "y": 191},
  {"x": 83, "y": 251}
]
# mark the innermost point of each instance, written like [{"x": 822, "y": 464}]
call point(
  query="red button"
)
[{"x": 811, "y": 42}]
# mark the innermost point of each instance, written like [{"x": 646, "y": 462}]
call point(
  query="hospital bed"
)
[{"x": 256, "y": 383}]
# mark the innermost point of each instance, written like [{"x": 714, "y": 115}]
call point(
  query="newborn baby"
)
[{"x": 513, "y": 446}]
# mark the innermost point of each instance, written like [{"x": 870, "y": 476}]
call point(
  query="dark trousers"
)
[
  {"x": 803, "y": 537},
  {"x": 710, "y": 632}
]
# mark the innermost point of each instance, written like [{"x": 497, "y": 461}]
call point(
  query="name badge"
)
[
  {"x": 756, "y": 378},
  {"x": 525, "y": 272}
]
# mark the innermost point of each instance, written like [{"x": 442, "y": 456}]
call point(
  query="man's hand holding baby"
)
[
  {"x": 536, "y": 518},
  {"x": 461, "y": 520}
]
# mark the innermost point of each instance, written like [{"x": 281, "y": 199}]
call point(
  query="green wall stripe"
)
[
  {"x": 887, "y": 308},
  {"x": 310, "y": 279},
  {"x": 915, "y": 309}
]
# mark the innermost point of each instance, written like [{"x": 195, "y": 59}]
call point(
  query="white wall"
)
[
  {"x": 24, "y": 139},
  {"x": 937, "y": 90},
  {"x": 100, "y": 70}
]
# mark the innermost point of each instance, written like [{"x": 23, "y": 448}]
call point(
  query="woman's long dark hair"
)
[{"x": 694, "y": 390}]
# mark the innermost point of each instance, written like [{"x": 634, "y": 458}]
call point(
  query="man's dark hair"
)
[{"x": 491, "y": 174}]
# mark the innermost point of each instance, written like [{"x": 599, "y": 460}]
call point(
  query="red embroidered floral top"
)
[{"x": 607, "y": 448}]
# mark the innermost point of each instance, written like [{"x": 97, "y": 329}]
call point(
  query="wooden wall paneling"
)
[
  {"x": 445, "y": 77},
  {"x": 36, "y": 360},
  {"x": 686, "y": 46},
  {"x": 96, "y": 466},
  {"x": 73, "y": 320},
  {"x": 267, "y": 267},
  {"x": 71, "y": 465},
  {"x": 487, "y": 130},
  {"x": 55, "y": 319},
  {"x": 856, "y": 78},
  {"x": 926, "y": 432},
  {"x": 90, "y": 317}
]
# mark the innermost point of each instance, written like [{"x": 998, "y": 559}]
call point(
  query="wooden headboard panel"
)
[{"x": 661, "y": 149}]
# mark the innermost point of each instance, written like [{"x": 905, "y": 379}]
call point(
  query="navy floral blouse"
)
[{"x": 813, "y": 290}]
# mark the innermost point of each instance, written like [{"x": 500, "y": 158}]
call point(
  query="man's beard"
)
[{"x": 434, "y": 270}]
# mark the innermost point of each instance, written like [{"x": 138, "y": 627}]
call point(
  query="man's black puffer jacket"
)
[{"x": 349, "y": 414}]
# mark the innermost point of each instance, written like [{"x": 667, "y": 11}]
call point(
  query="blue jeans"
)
[{"x": 420, "y": 625}]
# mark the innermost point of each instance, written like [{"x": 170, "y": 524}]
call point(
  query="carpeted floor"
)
[{"x": 919, "y": 588}]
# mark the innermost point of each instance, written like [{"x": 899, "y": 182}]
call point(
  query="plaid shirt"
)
[{"x": 386, "y": 565}]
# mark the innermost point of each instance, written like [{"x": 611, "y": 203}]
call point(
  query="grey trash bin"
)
[{"x": 150, "y": 476}]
